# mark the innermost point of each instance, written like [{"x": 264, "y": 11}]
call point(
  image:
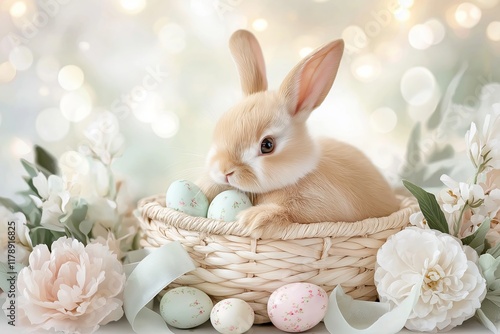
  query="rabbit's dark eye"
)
[{"x": 267, "y": 145}]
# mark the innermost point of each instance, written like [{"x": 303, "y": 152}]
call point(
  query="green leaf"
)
[
  {"x": 477, "y": 240},
  {"x": 29, "y": 182},
  {"x": 10, "y": 204},
  {"x": 46, "y": 160},
  {"x": 86, "y": 226},
  {"x": 72, "y": 221},
  {"x": 444, "y": 104},
  {"x": 6, "y": 271},
  {"x": 446, "y": 152},
  {"x": 30, "y": 168},
  {"x": 40, "y": 235},
  {"x": 495, "y": 251},
  {"x": 429, "y": 206},
  {"x": 413, "y": 154},
  {"x": 434, "y": 180},
  {"x": 33, "y": 169}
]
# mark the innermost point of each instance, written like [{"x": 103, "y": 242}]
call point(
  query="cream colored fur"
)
[{"x": 304, "y": 180}]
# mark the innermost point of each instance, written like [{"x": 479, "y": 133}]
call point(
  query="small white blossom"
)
[
  {"x": 452, "y": 286},
  {"x": 22, "y": 237},
  {"x": 483, "y": 147},
  {"x": 84, "y": 177},
  {"x": 459, "y": 194},
  {"x": 53, "y": 200},
  {"x": 417, "y": 219},
  {"x": 105, "y": 140}
]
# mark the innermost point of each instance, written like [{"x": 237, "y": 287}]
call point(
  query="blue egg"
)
[
  {"x": 228, "y": 204},
  {"x": 185, "y": 196}
]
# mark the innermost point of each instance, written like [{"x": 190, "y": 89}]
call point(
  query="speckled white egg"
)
[
  {"x": 297, "y": 307},
  {"x": 232, "y": 316},
  {"x": 185, "y": 196},
  {"x": 185, "y": 307},
  {"x": 228, "y": 204}
]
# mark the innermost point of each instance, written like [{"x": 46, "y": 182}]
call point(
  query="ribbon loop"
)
[{"x": 153, "y": 273}]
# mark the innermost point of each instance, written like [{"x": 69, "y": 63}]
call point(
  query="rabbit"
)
[{"x": 263, "y": 147}]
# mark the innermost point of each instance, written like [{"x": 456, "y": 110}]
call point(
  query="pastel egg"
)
[
  {"x": 232, "y": 316},
  {"x": 297, "y": 307},
  {"x": 228, "y": 204},
  {"x": 185, "y": 196},
  {"x": 185, "y": 307}
]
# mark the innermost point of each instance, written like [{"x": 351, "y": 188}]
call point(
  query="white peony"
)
[{"x": 452, "y": 285}]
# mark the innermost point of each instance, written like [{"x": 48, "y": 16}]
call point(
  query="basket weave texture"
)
[{"x": 231, "y": 265}]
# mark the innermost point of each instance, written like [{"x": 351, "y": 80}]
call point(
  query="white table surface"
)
[{"x": 123, "y": 327}]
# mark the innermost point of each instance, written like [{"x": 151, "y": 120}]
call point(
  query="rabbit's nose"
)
[{"x": 228, "y": 175}]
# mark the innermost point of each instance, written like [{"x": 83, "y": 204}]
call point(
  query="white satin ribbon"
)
[
  {"x": 348, "y": 316},
  {"x": 147, "y": 278}
]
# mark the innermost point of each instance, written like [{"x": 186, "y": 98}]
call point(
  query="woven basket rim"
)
[{"x": 155, "y": 213}]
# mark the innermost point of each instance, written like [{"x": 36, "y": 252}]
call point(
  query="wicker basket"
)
[{"x": 231, "y": 265}]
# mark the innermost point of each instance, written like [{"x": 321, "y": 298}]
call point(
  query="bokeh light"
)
[
  {"x": 21, "y": 58},
  {"x": 438, "y": 30},
  {"x": 383, "y": 120},
  {"x": 402, "y": 14},
  {"x": 70, "y": 77},
  {"x": 420, "y": 37},
  {"x": 493, "y": 31},
  {"x": 7, "y": 72},
  {"x": 305, "y": 51},
  {"x": 18, "y": 9},
  {"x": 132, "y": 6},
  {"x": 172, "y": 37},
  {"x": 259, "y": 24},
  {"x": 47, "y": 69},
  {"x": 166, "y": 124},
  {"x": 467, "y": 15},
  {"x": 417, "y": 85},
  {"x": 76, "y": 106},
  {"x": 51, "y": 125},
  {"x": 366, "y": 68},
  {"x": 20, "y": 147}
]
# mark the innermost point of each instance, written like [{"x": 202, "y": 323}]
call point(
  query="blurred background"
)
[{"x": 413, "y": 77}]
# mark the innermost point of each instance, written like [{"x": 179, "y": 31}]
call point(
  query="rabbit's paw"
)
[{"x": 263, "y": 217}]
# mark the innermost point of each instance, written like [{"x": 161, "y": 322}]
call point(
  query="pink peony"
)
[{"x": 73, "y": 288}]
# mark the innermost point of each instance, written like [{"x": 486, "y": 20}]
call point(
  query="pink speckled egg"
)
[{"x": 297, "y": 307}]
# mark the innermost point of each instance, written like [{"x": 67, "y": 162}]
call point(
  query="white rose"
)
[{"x": 452, "y": 287}]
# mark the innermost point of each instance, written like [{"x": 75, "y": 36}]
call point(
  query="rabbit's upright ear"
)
[
  {"x": 308, "y": 83},
  {"x": 249, "y": 60}
]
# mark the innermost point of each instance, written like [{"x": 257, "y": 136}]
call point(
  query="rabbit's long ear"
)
[
  {"x": 249, "y": 60},
  {"x": 308, "y": 83}
]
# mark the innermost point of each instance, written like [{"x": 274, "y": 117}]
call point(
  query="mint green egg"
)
[
  {"x": 185, "y": 307},
  {"x": 228, "y": 204},
  {"x": 185, "y": 196}
]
